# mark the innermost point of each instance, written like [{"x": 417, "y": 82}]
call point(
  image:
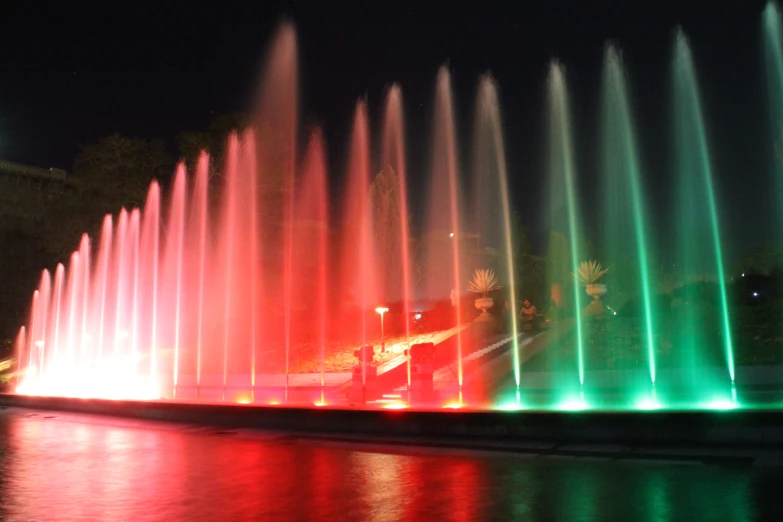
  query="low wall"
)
[{"x": 737, "y": 428}]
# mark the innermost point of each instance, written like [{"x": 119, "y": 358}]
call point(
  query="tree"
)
[
  {"x": 112, "y": 173},
  {"x": 764, "y": 261},
  {"x": 213, "y": 140},
  {"x": 529, "y": 269},
  {"x": 118, "y": 170},
  {"x": 557, "y": 258},
  {"x": 385, "y": 198},
  {"x": 558, "y": 268}
]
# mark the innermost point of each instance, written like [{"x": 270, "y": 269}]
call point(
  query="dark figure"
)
[{"x": 529, "y": 315}]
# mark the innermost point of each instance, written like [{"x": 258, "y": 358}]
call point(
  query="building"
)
[{"x": 26, "y": 191}]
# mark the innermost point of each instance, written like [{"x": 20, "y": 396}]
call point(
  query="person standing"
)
[{"x": 528, "y": 313}]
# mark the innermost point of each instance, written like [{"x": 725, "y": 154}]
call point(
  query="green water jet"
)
[
  {"x": 694, "y": 171},
  {"x": 562, "y": 176},
  {"x": 625, "y": 227},
  {"x": 772, "y": 39},
  {"x": 491, "y": 167}
]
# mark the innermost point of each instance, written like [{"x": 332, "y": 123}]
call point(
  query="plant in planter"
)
[
  {"x": 484, "y": 281},
  {"x": 588, "y": 273}
]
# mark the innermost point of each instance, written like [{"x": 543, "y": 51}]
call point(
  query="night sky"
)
[{"x": 71, "y": 75}]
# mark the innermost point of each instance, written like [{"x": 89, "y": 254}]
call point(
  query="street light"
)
[{"x": 382, "y": 310}]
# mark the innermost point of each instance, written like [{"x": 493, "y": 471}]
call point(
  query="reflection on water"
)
[{"x": 90, "y": 468}]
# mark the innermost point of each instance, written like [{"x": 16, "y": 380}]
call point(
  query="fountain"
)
[
  {"x": 445, "y": 210},
  {"x": 698, "y": 233},
  {"x": 564, "y": 206},
  {"x": 625, "y": 221},
  {"x": 491, "y": 179},
  {"x": 772, "y": 33},
  {"x": 250, "y": 282},
  {"x": 393, "y": 157}
]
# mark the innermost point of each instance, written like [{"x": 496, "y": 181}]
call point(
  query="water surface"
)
[{"x": 77, "y": 467}]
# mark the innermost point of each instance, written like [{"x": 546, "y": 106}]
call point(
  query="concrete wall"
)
[{"x": 716, "y": 429}]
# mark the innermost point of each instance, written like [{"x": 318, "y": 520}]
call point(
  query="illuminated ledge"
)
[{"x": 738, "y": 428}]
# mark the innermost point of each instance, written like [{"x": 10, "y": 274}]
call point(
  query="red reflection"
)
[
  {"x": 456, "y": 482},
  {"x": 465, "y": 485},
  {"x": 81, "y": 467}
]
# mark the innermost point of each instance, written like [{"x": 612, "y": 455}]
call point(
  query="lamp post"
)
[{"x": 382, "y": 310}]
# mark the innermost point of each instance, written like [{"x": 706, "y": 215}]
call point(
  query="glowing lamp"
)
[
  {"x": 573, "y": 404},
  {"x": 395, "y": 406},
  {"x": 720, "y": 404},
  {"x": 382, "y": 310},
  {"x": 648, "y": 404}
]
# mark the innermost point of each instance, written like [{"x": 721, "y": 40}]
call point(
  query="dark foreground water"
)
[{"x": 71, "y": 467}]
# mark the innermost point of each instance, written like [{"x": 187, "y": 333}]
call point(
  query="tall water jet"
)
[
  {"x": 563, "y": 193},
  {"x": 174, "y": 254},
  {"x": 134, "y": 238},
  {"x": 57, "y": 300},
  {"x": 393, "y": 156},
  {"x": 104, "y": 257},
  {"x": 42, "y": 308},
  {"x": 311, "y": 242},
  {"x": 491, "y": 184},
  {"x": 277, "y": 141},
  {"x": 75, "y": 272},
  {"x": 118, "y": 278},
  {"x": 229, "y": 231},
  {"x": 33, "y": 319},
  {"x": 199, "y": 213},
  {"x": 444, "y": 269},
  {"x": 697, "y": 226},
  {"x": 150, "y": 247},
  {"x": 357, "y": 252},
  {"x": 84, "y": 292},
  {"x": 387, "y": 205},
  {"x": 772, "y": 36},
  {"x": 250, "y": 153},
  {"x": 625, "y": 222}
]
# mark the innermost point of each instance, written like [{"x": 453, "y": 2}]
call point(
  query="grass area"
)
[{"x": 620, "y": 343}]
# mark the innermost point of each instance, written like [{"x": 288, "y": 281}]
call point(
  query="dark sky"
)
[{"x": 71, "y": 75}]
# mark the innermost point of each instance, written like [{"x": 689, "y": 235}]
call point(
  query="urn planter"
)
[
  {"x": 596, "y": 307},
  {"x": 484, "y": 304},
  {"x": 596, "y": 290}
]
